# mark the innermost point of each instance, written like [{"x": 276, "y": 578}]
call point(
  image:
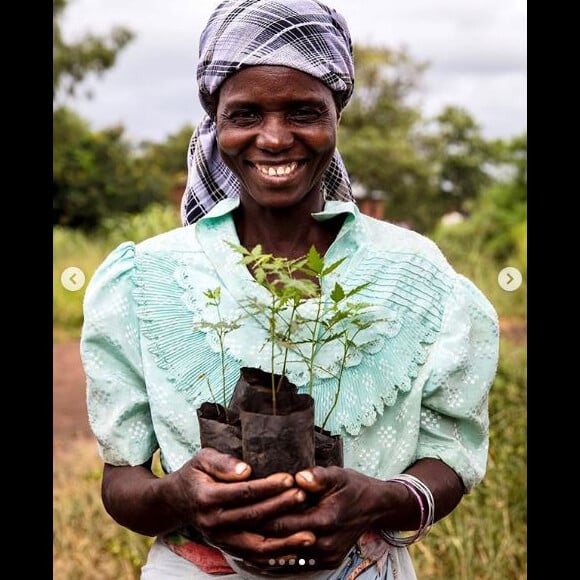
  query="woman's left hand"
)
[{"x": 343, "y": 506}]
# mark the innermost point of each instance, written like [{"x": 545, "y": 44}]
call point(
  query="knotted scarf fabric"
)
[{"x": 302, "y": 34}]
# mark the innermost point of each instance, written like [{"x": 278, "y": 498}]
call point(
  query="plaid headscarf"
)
[{"x": 302, "y": 34}]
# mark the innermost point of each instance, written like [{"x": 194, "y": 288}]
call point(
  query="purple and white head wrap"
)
[{"x": 302, "y": 34}]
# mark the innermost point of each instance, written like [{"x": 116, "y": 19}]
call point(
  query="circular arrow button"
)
[
  {"x": 72, "y": 278},
  {"x": 509, "y": 279}
]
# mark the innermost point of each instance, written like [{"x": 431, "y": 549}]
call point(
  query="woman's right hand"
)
[{"x": 215, "y": 495}]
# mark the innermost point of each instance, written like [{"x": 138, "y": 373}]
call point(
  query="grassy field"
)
[{"x": 485, "y": 538}]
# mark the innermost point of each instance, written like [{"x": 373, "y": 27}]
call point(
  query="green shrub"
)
[
  {"x": 138, "y": 227},
  {"x": 469, "y": 252}
]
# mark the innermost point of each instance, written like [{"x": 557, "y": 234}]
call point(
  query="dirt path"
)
[{"x": 69, "y": 410}]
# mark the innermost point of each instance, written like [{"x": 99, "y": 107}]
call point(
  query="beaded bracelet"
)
[{"x": 426, "y": 503}]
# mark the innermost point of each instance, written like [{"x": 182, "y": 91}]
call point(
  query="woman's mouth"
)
[{"x": 281, "y": 170}]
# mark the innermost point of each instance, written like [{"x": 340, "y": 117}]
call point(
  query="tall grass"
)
[
  {"x": 473, "y": 256},
  {"x": 87, "y": 543}
]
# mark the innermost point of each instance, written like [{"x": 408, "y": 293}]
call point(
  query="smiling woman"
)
[
  {"x": 265, "y": 177},
  {"x": 277, "y": 131},
  {"x": 316, "y": 42}
]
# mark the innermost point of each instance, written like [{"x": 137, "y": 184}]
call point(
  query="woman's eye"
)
[
  {"x": 243, "y": 117},
  {"x": 305, "y": 115}
]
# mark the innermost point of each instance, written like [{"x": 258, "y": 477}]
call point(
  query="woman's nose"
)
[{"x": 274, "y": 134}]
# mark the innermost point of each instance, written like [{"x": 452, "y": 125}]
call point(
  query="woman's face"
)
[{"x": 276, "y": 129}]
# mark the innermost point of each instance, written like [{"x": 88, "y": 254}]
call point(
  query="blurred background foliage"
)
[
  {"x": 421, "y": 168},
  {"x": 437, "y": 175}
]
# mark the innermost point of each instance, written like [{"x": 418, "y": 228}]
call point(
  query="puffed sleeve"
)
[
  {"x": 454, "y": 415},
  {"x": 117, "y": 403}
]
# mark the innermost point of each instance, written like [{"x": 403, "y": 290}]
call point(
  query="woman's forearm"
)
[
  {"x": 139, "y": 500},
  {"x": 398, "y": 509}
]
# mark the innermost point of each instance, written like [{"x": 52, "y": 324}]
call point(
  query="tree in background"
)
[
  {"x": 464, "y": 159},
  {"x": 380, "y": 139},
  {"x": 169, "y": 157},
  {"x": 167, "y": 161},
  {"x": 421, "y": 168},
  {"x": 73, "y": 62},
  {"x": 498, "y": 216},
  {"x": 95, "y": 173}
]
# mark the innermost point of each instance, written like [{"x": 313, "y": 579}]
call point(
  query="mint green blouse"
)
[{"x": 415, "y": 385}]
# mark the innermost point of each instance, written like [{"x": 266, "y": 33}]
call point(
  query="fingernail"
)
[
  {"x": 300, "y": 496},
  {"x": 240, "y": 468},
  {"x": 307, "y": 476}
]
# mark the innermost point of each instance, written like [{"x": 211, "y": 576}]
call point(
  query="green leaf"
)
[
  {"x": 315, "y": 261},
  {"x": 337, "y": 293},
  {"x": 358, "y": 289},
  {"x": 333, "y": 266}
]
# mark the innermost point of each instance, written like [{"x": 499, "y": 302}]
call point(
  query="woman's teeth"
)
[{"x": 278, "y": 169}]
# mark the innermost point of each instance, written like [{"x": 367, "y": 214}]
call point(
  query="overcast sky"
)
[{"x": 476, "y": 50}]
